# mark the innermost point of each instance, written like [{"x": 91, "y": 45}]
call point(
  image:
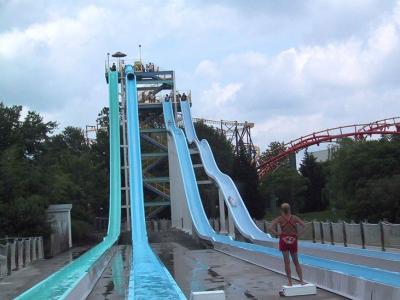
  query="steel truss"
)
[{"x": 238, "y": 133}]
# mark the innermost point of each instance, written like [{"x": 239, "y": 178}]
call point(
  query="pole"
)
[
  {"x": 382, "y": 235},
  {"x": 362, "y": 234},
  {"x": 173, "y": 99},
  {"x": 321, "y": 229},
  {"x": 140, "y": 53},
  {"x": 313, "y": 231},
  {"x": 222, "y": 221},
  {"x": 331, "y": 233}
]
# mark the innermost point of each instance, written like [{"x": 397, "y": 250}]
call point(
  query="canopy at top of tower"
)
[{"x": 118, "y": 54}]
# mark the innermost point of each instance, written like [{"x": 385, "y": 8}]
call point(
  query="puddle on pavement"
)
[
  {"x": 109, "y": 288},
  {"x": 114, "y": 281},
  {"x": 249, "y": 295},
  {"x": 192, "y": 274}
]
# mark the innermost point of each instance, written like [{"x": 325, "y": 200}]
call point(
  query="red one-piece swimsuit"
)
[{"x": 288, "y": 242}]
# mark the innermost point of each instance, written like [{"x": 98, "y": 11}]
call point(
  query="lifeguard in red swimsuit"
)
[{"x": 288, "y": 239}]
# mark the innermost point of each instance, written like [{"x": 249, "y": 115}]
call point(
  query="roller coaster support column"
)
[
  {"x": 222, "y": 221},
  {"x": 231, "y": 225}
]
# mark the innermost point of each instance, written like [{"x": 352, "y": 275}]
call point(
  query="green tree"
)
[
  {"x": 221, "y": 147},
  {"x": 34, "y": 133},
  {"x": 274, "y": 149},
  {"x": 376, "y": 200},
  {"x": 22, "y": 179},
  {"x": 79, "y": 172},
  {"x": 9, "y": 125},
  {"x": 356, "y": 171},
  {"x": 246, "y": 179},
  {"x": 313, "y": 172},
  {"x": 38, "y": 168},
  {"x": 284, "y": 185}
]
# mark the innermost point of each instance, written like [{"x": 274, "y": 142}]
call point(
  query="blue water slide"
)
[
  {"x": 205, "y": 231},
  {"x": 199, "y": 217},
  {"x": 243, "y": 221},
  {"x": 61, "y": 283},
  {"x": 236, "y": 206},
  {"x": 149, "y": 279}
]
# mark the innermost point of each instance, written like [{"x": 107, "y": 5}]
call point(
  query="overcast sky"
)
[{"x": 291, "y": 67}]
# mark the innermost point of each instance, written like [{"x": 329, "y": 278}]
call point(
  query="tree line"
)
[
  {"x": 39, "y": 167},
  {"x": 362, "y": 178},
  {"x": 42, "y": 165}
]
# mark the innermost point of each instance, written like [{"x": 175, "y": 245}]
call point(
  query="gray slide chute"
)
[
  {"x": 243, "y": 221},
  {"x": 198, "y": 215}
]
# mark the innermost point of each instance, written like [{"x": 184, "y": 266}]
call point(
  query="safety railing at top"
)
[
  {"x": 224, "y": 122},
  {"x": 139, "y": 65},
  {"x": 150, "y": 97}
]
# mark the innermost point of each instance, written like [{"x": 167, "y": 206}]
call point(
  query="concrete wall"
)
[
  {"x": 392, "y": 235},
  {"x": 372, "y": 232},
  {"x": 338, "y": 233},
  {"x": 59, "y": 216},
  {"x": 180, "y": 214},
  {"x": 382, "y": 235}
]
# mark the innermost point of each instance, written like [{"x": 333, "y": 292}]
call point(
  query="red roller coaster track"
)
[{"x": 359, "y": 132}]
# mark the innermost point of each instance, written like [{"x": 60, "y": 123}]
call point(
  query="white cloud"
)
[
  {"x": 311, "y": 87},
  {"x": 309, "y": 64},
  {"x": 222, "y": 95},
  {"x": 281, "y": 128},
  {"x": 60, "y": 33},
  {"x": 208, "y": 69}
]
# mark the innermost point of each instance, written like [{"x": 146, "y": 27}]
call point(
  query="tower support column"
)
[{"x": 222, "y": 221}]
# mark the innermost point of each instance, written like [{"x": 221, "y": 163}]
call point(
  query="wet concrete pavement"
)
[
  {"x": 113, "y": 283},
  {"x": 194, "y": 268},
  {"x": 207, "y": 269},
  {"x": 23, "y": 279}
]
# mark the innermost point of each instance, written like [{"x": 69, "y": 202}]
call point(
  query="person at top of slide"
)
[{"x": 288, "y": 236}]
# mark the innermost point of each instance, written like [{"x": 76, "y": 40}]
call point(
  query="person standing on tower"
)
[
  {"x": 178, "y": 97},
  {"x": 184, "y": 97}
]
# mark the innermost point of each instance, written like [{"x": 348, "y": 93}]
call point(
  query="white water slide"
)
[{"x": 243, "y": 221}]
